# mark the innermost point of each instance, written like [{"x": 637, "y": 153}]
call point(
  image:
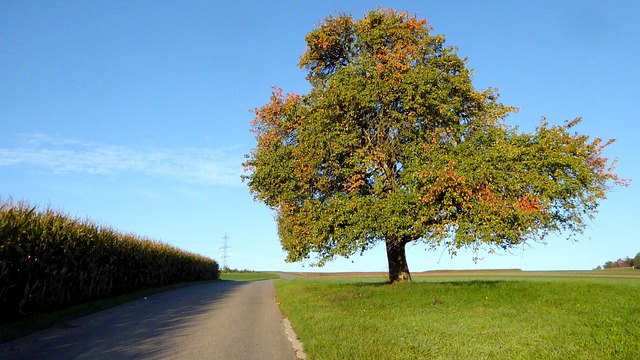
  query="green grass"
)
[
  {"x": 40, "y": 321},
  {"x": 460, "y": 317},
  {"x": 247, "y": 276}
]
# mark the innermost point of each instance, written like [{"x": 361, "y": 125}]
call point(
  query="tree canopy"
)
[{"x": 394, "y": 144}]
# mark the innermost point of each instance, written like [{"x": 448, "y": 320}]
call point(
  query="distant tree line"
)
[
  {"x": 226, "y": 269},
  {"x": 622, "y": 263}
]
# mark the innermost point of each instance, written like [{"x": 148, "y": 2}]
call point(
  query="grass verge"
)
[
  {"x": 40, "y": 321},
  {"x": 247, "y": 276},
  {"x": 538, "y": 316}
]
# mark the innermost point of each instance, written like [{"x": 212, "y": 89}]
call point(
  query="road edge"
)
[{"x": 297, "y": 345}]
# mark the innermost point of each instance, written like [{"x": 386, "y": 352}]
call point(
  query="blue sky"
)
[{"x": 136, "y": 114}]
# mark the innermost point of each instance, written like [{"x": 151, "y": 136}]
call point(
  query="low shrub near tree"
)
[{"x": 49, "y": 260}]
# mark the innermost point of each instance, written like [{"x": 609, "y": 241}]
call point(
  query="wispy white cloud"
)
[{"x": 217, "y": 167}]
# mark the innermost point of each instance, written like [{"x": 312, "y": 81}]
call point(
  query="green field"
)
[
  {"x": 478, "y": 315},
  {"x": 247, "y": 276}
]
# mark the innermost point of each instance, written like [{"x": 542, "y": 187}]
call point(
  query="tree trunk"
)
[{"x": 398, "y": 267}]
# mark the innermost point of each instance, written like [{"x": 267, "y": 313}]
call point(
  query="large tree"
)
[{"x": 394, "y": 144}]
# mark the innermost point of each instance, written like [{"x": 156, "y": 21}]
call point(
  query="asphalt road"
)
[{"x": 221, "y": 320}]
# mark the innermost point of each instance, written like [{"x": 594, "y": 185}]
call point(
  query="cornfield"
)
[{"x": 49, "y": 261}]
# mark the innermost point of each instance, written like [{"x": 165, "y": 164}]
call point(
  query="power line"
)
[{"x": 224, "y": 248}]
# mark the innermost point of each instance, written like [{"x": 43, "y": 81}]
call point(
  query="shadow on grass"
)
[
  {"x": 459, "y": 283},
  {"x": 490, "y": 283}
]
